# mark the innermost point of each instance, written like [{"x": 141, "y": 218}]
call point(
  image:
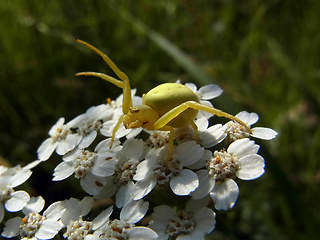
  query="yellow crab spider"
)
[{"x": 165, "y": 107}]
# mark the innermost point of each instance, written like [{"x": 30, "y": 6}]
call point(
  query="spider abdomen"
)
[{"x": 167, "y": 96}]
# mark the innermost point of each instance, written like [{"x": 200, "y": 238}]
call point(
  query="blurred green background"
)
[{"x": 264, "y": 54}]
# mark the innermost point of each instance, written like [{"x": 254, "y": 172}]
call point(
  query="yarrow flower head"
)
[
  {"x": 10, "y": 178},
  {"x": 35, "y": 225},
  {"x": 124, "y": 228},
  {"x": 239, "y": 160},
  {"x": 182, "y": 224},
  {"x": 236, "y": 131}
]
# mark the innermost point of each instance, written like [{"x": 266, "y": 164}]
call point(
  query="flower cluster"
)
[{"x": 144, "y": 195}]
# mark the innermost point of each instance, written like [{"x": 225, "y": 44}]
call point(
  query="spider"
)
[{"x": 165, "y": 107}]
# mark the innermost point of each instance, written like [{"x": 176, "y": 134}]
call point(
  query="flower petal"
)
[
  {"x": 188, "y": 153},
  {"x": 143, "y": 188},
  {"x": 225, "y": 194},
  {"x": 184, "y": 183},
  {"x": 206, "y": 183},
  {"x": 264, "y": 133},
  {"x": 250, "y": 167},
  {"x": 17, "y": 201},
  {"x": 205, "y": 219},
  {"x": 248, "y": 118},
  {"x": 46, "y": 149},
  {"x": 102, "y": 218},
  {"x": 92, "y": 184},
  {"x": 210, "y": 91},
  {"x": 35, "y": 204},
  {"x": 134, "y": 211},
  {"x": 87, "y": 139},
  {"x": 55, "y": 210},
  {"x": 48, "y": 229},
  {"x": 12, "y": 227},
  {"x": 138, "y": 233},
  {"x": 243, "y": 147},
  {"x": 62, "y": 171}
]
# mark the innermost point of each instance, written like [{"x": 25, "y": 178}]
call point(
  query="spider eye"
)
[{"x": 134, "y": 110}]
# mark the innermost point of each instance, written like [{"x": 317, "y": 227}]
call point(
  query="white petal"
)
[
  {"x": 210, "y": 91},
  {"x": 132, "y": 149},
  {"x": 20, "y": 177},
  {"x": 250, "y": 167},
  {"x": 264, "y": 133},
  {"x": 212, "y": 136},
  {"x": 12, "y": 227},
  {"x": 140, "y": 233},
  {"x": 225, "y": 194},
  {"x": 87, "y": 140},
  {"x": 72, "y": 212},
  {"x": 102, "y": 218},
  {"x": 134, "y": 211},
  {"x": 55, "y": 210},
  {"x": 248, "y": 118},
  {"x": 92, "y": 184},
  {"x": 125, "y": 194},
  {"x": 86, "y": 205},
  {"x": 108, "y": 189},
  {"x": 206, "y": 183},
  {"x": 108, "y": 127},
  {"x": 67, "y": 145},
  {"x": 104, "y": 165},
  {"x": 188, "y": 153},
  {"x": 62, "y": 171},
  {"x": 205, "y": 219},
  {"x": 143, "y": 188},
  {"x": 48, "y": 229},
  {"x": 184, "y": 183},
  {"x": 243, "y": 147},
  {"x": 192, "y": 86},
  {"x": 17, "y": 201},
  {"x": 46, "y": 149},
  {"x": 35, "y": 204},
  {"x": 202, "y": 124}
]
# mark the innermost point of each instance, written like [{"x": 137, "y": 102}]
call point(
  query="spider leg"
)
[
  {"x": 124, "y": 84},
  {"x": 166, "y": 118},
  {"x": 115, "y": 129},
  {"x": 170, "y": 143}
]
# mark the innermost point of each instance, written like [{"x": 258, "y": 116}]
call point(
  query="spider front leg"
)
[
  {"x": 124, "y": 83},
  {"x": 166, "y": 118}
]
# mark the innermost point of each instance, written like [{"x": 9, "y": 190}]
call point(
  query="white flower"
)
[
  {"x": 237, "y": 131},
  {"x": 77, "y": 228},
  {"x": 61, "y": 139},
  {"x": 186, "y": 224},
  {"x": 153, "y": 170},
  {"x": 91, "y": 168},
  {"x": 10, "y": 178},
  {"x": 121, "y": 183},
  {"x": 124, "y": 228},
  {"x": 205, "y": 93},
  {"x": 35, "y": 225},
  {"x": 89, "y": 123},
  {"x": 240, "y": 160},
  {"x": 210, "y": 135}
]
